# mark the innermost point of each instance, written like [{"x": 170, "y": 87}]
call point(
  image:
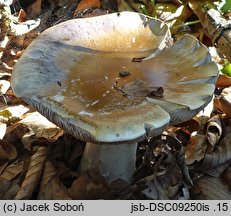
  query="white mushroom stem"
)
[{"x": 112, "y": 161}]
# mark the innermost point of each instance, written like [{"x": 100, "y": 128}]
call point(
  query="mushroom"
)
[{"x": 112, "y": 81}]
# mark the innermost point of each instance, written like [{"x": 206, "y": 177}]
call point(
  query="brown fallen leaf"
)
[
  {"x": 191, "y": 125},
  {"x": 86, "y": 4},
  {"x": 7, "y": 151},
  {"x": 48, "y": 172},
  {"x": 196, "y": 148},
  {"x": 169, "y": 170},
  {"x": 223, "y": 81},
  {"x": 33, "y": 174},
  {"x": 224, "y": 102},
  {"x": 22, "y": 17},
  {"x": 65, "y": 173},
  {"x": 55, "y": 190},
  {"x": 3, "y": 166},
  {"x": 4, "y": 86},
  {"x": 139, "y": 88},
  {"x": 226, "y": 177},
  {"x": 122, "y": 5},
  {"x": 178, "y": 152},
  {"x": 92, "y": 12},
  {"x": 10, "y": 99},
  {"x": 51, "y": 187},
  {"x": 88, "y": 187},
  {"x": 203, "y": 116},
  {"x": 217, "y": 171},
  {"x": 180, "y": 133},
  {"x": 11, "y": 191},
  {"x": 220, "y": 154},
  {"x": 4, "y": 74},
  {"x": 34, "y": 10},
  {"x": 12, "y": 113},
  {"x": 161, "y": 185},
  {"x": 68, "y": 150},
  {"x": 7, "y": 176},
  {"x": 214, "y": 130},
  {"x": 112, "y": 5},
  {"x": 214, "y": 24},
  {"x": 210, "y": 188},
  {"x": 38, "y": 129},
  {"x": 153, "y": 189},
  {"x": 2, "y": 130},
  {"x": 175, "y": 16}
]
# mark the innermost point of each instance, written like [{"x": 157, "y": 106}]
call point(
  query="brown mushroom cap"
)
[{"x": 72, "y": 72}]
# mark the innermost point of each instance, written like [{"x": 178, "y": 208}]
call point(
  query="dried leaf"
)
[
  {"x": 22, "y": 16},
  {"x": 12, "y": 137},
  {"x": 86, "y": 4},
  {"x": 173, "y": 14},
  {"x": 220, "y": 155},
  {"x": 55, "y": 190},
  {"x": 181, "y": 134},
  {"x": 162, "y": 185},
  {"x": 34, "y": 10},
  {"x": 224, "y": 102},
  {"x": 111, "y": 5},
  {"x": 11, "y": 114},
  {"x": 4, "y": 86},
  {"x": 92, "y": 12},
  {"x": 10, "y": 173},
  {"x": 191, "y": 125},
  {"x": 2, "y": 130},
  {"x": 5, "y": 114},
  {"x": 176, "y": 156},
  {"x": 196, "y": 148},
  {"x": 33, "y": 174},
  {"x": 64, "y": 173},
  {"x": 207, "y": 111},
  {"x": 48, "y": 173},
  {"x": 169, "y": 170},
  {"x": 154, "y": 190},
  {"x": 203, "y": 116},
  {"x": 4, "y": 74},
  {"x": 139, "y": 88},
  {"x": 223, "y": 81},
  {"x": 123, "y": 6},
  {"x": 39, "y": 128},
  {"x": 12, "y": 190},
  {"x": 210, "y": 188},
  {"x": 215, "y": 26},
  {"x": 226, "y": 177},
  {"x": 23, "y": 28},
  {"x": 51, "y": 187},
  {"x": 214, "y": 130},
  {"x": 88, "y": 187},
  {"x": 7, "y": 151},
  {"x": 3, "y": 166},
  {"x": 61, "y": 3},
  {"x": 215, "y": 55},
  {"x": 217, "y": 171},
  {"x": 77, "y": 151},
  {"x": 68, "y": 149},
  {"x": 179, "y": 155}
]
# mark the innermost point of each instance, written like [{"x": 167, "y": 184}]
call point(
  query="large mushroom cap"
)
[{"x": 81, "y": 75}]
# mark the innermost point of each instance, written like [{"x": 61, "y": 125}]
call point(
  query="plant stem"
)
[{"x": 186, "y": 24}]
